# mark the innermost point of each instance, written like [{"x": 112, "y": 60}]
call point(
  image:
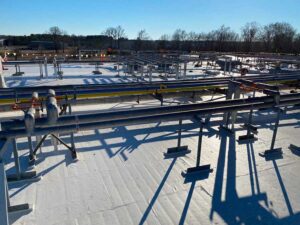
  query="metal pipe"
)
[
  {"x": 64, "y": 129},
  {"x": 88, "y": 118},
  {"x": 65, "y": 89}
]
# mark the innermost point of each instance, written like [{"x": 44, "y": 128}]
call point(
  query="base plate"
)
[
  {"x": 177, "y": 152},
  {"x": 273, "y": 154},
  {"x": 197, "y": 173},
  {"x": 246, "y": 137},
  {"x": 25, "y": 176}
]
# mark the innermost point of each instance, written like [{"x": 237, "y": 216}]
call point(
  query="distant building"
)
[
  {"x": 3, "y": 42},
  {"x": 43, "y": 45}
]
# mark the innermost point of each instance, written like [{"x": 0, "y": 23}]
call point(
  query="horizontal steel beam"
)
[
  {"x": 92, "y": 121},
  {"x": 10, "y": 95}
]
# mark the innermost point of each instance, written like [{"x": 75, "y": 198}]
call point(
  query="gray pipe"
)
[
  {"x": 124, "y": 114},
  {"x": 65, "y": 129}
]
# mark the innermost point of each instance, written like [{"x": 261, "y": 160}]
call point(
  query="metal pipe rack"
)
[{"x": 90, "y": 92}]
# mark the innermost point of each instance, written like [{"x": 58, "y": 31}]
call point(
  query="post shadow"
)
[{"x": 156, "y": 194}]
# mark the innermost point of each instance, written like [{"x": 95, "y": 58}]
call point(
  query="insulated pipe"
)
[
  {"x": 120, "y": 90},
  {"x": 65, "y": 120},
  {"x": 51, "y": 93},
  {"x": 148, "y": 112},
  {"x": 29, "y": 120},
  {"x": 222, "y": 81},
  {"x": 35, "y": 96},
  {"x": 140, "y": 120},
  {"x": 52, "y": 110}
]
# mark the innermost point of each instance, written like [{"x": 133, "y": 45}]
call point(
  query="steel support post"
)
[
  {"x": 4, "y": 197},
  {"x": 201, "y": 171},
  {"x": 19, "y": 175},
  {"x": 177, "y": 71},
  {"x": 230, "y": 68},
  {"x": 41, "y": 70},
  {"x": 55, "y": 67},
  {"x": 30, "y": 145},
  {"x": 251, "y": 129},
  {"x": 142, "y": 72},
  {"x": 16, "y": 158},
  {"x": 73, "y": 151},
  {"x": 150, "y": 73},
  {"x": 179, "y": 150},
  {"x": 5, "y": 206},
  {"x": 273, "y": 150},
  {"x": 33, "y": 156},
  {"x": 184, "y": 70},
  {"x": 74, "y": 154},
  {"x": 96, "y": 71},
  {"x": 46, "y": 67}
]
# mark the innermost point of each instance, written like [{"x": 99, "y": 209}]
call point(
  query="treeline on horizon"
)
[{"x": 280, "y": 37}]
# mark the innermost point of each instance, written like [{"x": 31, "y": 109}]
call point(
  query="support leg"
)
[
  {"x": 272, "y": 150},
  {"x": 179, "y": 150},
  {"x": 33, "y": 156},
  {"x": 19, "y": 175},
  {"x": 250, "y": 129},
  {"x": 202, "y": 172},
  {"x": 17, "y": 161},
  {"x": 73, "y": 151}
]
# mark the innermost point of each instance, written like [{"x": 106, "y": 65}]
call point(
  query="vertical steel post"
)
[
  {"x": 150, "y": 73},
  {"x": 16, "y": 158},
  {"x": 46, "y": 67},
  {"x": 199, "y": 143},
  {"x": 179, "y": 134},
  {"x": 250, "y": 117},
  {"x": 184, "y": 69},
  {"x": 275, "y": 129},
  {"x": 30, "y": 145},
  {"x": 177, "y": 71},
  {"x": 72, "y": 134},
  {"x": 41, "y": 70}
]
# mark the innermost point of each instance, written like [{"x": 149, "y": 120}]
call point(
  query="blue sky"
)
[{"x": 156, "y": 16}]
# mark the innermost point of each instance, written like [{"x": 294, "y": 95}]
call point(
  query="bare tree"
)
[
  {"x": 56, "y": 33},
  {"x": 193, "y": 36},
  {"x": 266, "y": 36},
  {"x": 120, "y": 33},
  {"x": 110, "y": 32},
  {"x": 297, "y": 44},
  {"x": 143, "y": 35},
  {"x": 179, "y": 35},
  {"x": 163, "y": 40},
  {"x": 224, "y": 36},
  {"x": 283, "y": 37},
  {"x": 278, "y": 37},
  {"x": 116, "y": 33},
  {"x": 250, "y": 34},
  {"x": 141, "y": 40},
  {"x": 165, "y": 37}
]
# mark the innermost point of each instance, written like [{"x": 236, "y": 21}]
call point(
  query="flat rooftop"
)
[{"x": 121, "y": 177}]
